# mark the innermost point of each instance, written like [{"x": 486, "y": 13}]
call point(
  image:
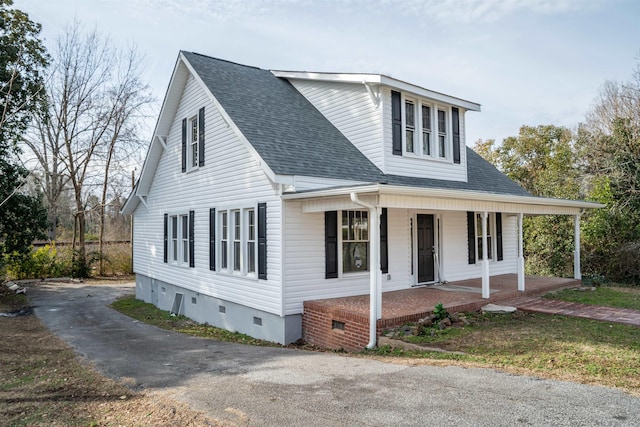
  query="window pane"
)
[
  {"x": 251, "y": 225},
  {"x": 224, "y": 258},
  {"x": 174, "y": 227},
  {"x": 410, "y": 114},
  {"x": 174, "y": 249},
  {"x": 236, "y": 225},
  {"x": 409, "y": 145},
  {"x": 194, "y": 129},
  {"x": 185, "y": 251},
  {"x": 251, "y": 257},
  {"x": 442, "y": 146},
  {"x": 426, "y": 117},
  {"x": 355, "y": 256},
  {"x": 194, "y": 155},
  {"x": 236, "y": 256},
  {"x": 442, "y": 122},
  {"x": 426, "y": 143},
  {"x": 345, "y": 225}
]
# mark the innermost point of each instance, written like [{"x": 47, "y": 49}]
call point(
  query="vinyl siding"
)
[
  {"x": 416, "y": 166},
  {"x": 349, "y": 108},
  {"x": 231, "y": 178},
  {"x": 304, "y": 255},
  {"x": 455, "y": 250}
]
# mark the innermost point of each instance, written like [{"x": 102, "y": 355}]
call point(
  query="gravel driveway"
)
[{"x": 261, "y": 386}]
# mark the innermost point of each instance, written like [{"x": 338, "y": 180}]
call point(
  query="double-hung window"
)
[
  {"x": 426, "y": 130},
  {"x": 479, "y": 236},
  {"x": 179, "y": 247},
  {"x": 193, "y": 142},
  {"x": 251, "y": 240},
  {"x": 224, "y": 240},
  {"x": 442, "y": 133},
  {"x": 237, "y": 243},
  {"x": 410, "y": 126},
  {"x": 355, "y": 241}
]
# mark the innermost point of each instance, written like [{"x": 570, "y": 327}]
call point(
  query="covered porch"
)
[{"x": 343, "y": 323}]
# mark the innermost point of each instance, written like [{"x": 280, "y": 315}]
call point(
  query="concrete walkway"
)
[{"x": 566, "y": 308}]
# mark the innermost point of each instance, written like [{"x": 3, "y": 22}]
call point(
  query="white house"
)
[{"x": 263, "y": 189}]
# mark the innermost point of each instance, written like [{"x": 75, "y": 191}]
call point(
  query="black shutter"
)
[
  {"x": 201, "y": 137},
  {"x": 396, "y": 122},
  {"x": 471, "y": 236},
  {"x": 384, "y": 246},
  {"x": 262, "y": 240},
  {"x": 331, "y": 244},
  {"x": 499, "y": 235},
  {"x": 184, "y": 145},
  {"x": 192, "y": 262},
  {"x": 455, "y": 119},
  {"x": 166, "y": 237},
  {"x": 212, "y": 239}
]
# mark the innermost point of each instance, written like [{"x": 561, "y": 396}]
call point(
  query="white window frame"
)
[
  {"x": 491, "y": 238},
  {"x": 179, "y": 239},
  {"x": 194, "y": 137},
  {"x": 410, "y": 128},
  {"x": 419, "y": 130},
  {"x": 237, "y": 241},
  {"x": 357, "y": 239}
]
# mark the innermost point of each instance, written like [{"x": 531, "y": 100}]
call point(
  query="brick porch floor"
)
[{"x": 408, "y": 305}]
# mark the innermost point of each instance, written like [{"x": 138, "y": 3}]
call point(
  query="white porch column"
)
[
  {"x": 520, "y": 260},
  {"x": 485, "y": 259},
  {"x": 576, "y": 252},
  {"x": 376, "y": 260}
]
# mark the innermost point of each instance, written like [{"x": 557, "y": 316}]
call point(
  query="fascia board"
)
[
  {"x": 444, "y": 194},
  {"x": 379, "y": 79}
]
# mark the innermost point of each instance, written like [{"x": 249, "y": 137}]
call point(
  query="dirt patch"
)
[{"x": 43, "y": 383}]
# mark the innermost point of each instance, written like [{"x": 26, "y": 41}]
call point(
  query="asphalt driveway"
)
[{"x": 247, "y": 385}]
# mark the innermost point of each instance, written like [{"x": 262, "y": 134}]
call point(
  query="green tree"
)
[
  {"x": 22, "y": 60},
  {"x": 543, "y": 161},
  {"x": 609, "y": 143}
]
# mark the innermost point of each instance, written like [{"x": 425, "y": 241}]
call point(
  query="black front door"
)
[{"x": 425, "y": 249}]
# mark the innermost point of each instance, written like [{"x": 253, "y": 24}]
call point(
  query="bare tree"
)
[{"x": 94, "y": 94}]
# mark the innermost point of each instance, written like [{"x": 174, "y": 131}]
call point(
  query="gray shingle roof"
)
[{"x": 294, "y": 138}]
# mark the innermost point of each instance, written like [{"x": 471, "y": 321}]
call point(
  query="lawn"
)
[
  {"x": 42, "y": 383},
  {"x": 558, "y": 347},
  {"x": 608, "y": 296}
]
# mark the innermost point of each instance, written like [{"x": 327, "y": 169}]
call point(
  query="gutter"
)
[{"x": 374, "y": 238}]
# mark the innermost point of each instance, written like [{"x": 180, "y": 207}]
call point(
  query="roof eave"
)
[
  {"x": 381, "y": 79},
  {"x": 443, "y": 193}
]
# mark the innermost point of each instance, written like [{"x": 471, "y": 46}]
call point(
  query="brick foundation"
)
[{"x": 341, "y": 324}]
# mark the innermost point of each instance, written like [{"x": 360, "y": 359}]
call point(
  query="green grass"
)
[
  {"x": 152, "y": 315},
  {"x": 610, "y": 297},
  {"x": 559, "y": 347}
]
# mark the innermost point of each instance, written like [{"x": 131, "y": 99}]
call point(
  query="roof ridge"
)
[{"x": 223, "y": 60}]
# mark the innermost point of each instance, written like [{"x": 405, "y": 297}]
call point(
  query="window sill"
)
[
  {"x": 429, "y": 158},
  {"x": 237, "y": 274}
]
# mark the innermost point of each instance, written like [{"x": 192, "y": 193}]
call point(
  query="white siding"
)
[
  {"x": 456, "y": 253},
  {"x": 304, "y": 260},
  {"x": 415, "y": 166},
  {"x": 350, "y": 108},
  {"x": 230, "y": 178}
]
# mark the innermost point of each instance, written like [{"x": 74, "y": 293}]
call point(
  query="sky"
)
[{"x": 527, "y": 62}]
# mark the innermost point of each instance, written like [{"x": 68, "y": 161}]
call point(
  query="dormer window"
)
[
  {"x": 424, "y": 128},
  {"x": 442, "y": 133},
  {"x": 410, "y": 126}
]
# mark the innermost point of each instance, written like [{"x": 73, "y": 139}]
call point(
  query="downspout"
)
[{"x": 374, "y": 238}]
